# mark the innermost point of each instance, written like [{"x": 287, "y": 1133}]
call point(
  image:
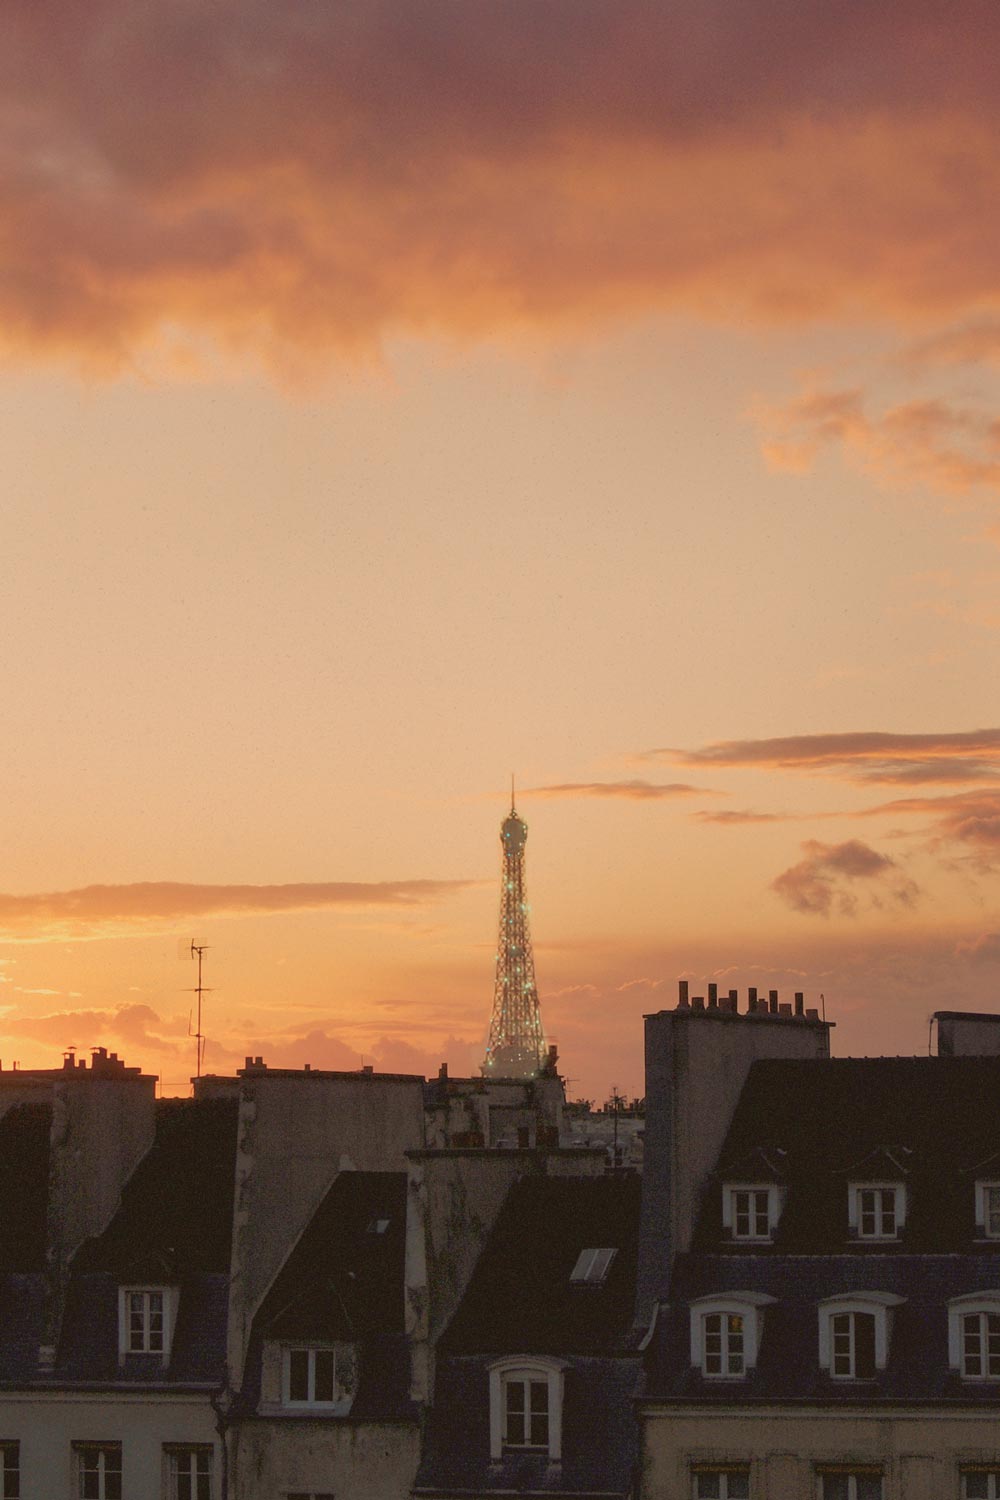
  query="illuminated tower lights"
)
[{"x": 516, "y": 1047}]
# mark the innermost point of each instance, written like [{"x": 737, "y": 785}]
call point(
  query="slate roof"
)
[
  {"x": 176, "y": 1214},
  {"x": 520, "y": 1301},
  {"x": 520, "y": 1297},
  {"x": 174, "y": 1224},
  {"x": 930, "y": 1123},
  {"x": 345, "y": 1281},
  {"x": 788, "y": 1359},
  {"x": 24, "y": 1186},
  {"x": 926, "y": 1121}
]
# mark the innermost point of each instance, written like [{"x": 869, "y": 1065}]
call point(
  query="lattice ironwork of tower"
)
[{"x": 516, "y": 1048}]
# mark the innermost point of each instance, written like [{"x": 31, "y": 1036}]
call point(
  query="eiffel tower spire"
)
[{"x": 516, "y": 1048}]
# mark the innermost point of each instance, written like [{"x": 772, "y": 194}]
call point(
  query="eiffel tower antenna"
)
[{"x": 516, "y": 1048}]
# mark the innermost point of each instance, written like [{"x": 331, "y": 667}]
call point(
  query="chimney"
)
[
  {"x": 772, "y": 1000},
  {"x": 695, "y": 1074},
  {"x": 751, "y": 999},
  {"x": 713, "y": 996},
  {"x": 799, "y": 1003},
  {"x": 682, "y": 994}
]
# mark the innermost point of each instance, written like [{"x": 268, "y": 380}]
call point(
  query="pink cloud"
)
[{"x": 826, "y": 880}]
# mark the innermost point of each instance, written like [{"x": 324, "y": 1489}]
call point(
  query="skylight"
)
[
  {"x": 592, "y": 1267},
  {"x": 378, "y": 1226}
]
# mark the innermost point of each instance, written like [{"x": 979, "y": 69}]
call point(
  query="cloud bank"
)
[
  {"x": 866, "y": 757},
  {"x": 312, "y": 177},
  {"x": 640, "y": 791},
  {"x": 97, "y": 910}
]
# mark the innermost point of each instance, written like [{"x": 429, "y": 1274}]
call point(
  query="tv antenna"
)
[{"x": 198, "y": 951}]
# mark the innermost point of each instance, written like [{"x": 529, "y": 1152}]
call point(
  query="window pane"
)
[
  {"x": 975, "y": 1486},
  {"x": 864, "y": 1346},
  {"x": 835, "y": 1487},
  {"x": 515, "y": 1395},
  {"x": 869, "y": 1487},
  {"x": 888, "y": 1225},
  {"x": 323, "y": 1388},
  {"x": 298, "y": 1375},
  {"x": 539, "y": 1397},
  {"x": 739, "y": 1487},
  {"x": 762, "y": 1221},
  {"x": 992, "y": 1196},
  {"x": 539, "y": 1431},
  {"x": 708, "y": 1486},
  {"x": 971, "y": 1345}
]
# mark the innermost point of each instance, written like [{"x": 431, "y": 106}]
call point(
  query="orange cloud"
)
[
  {"x": 965, "y": 817},
  {"x": 639, "y": 790},
  {"x": 735, "y": 817},
  {"x": 826, "y": 880},
  {"x": 310, "y": 177},
  {"x": 861, "y": 757},
  {"x": 98, "y": 910},
  {"x": 950, "y": 449},
  {"x": 973, "y": 343}
]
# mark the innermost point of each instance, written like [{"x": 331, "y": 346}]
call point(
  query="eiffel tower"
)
[{"x": 516, "y": 1048}]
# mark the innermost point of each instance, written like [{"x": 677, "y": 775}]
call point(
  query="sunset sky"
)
[{"x": 395, "y": 395}]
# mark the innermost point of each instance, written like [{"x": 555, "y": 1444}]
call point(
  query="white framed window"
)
[
  {"x": 750, "y": 1211},
  {"x": 146, "y": 1320},
  {"x": 592, "y": 1267},
  {"x": 988, "y": 1209},
  {"x": 526, "y": 1399},
  {"x": 876, "y": 1210},
  {"x": 720, "y": 1481},
  {"x": 846, "y": 1482},
  {"x": 189, "y": 1472},
  {"x": 98, "y": 1471},
  {"x": 854, "y": 1334},
  {"x": 10, "y": 1471},
  {"x": 725, "y": 1333},
  {"x": 980, "y": 1483},
  {"x": 974, "y": 1336},
  {"x": 309, "y": 1375}
]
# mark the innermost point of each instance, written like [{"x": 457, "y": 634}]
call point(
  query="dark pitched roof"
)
[
  {"x": 520, "y": 1298},
  {"x": 24, "y": 1186},
  {"x": 345, "y": 1280},
  {"x": 788, "y": 1361},
  {"x": 924, "y": 1120},
  {"x": 176, "y": 1213}
]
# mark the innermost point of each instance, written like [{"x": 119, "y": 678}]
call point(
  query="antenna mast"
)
[{"x": 198, "y": 951}]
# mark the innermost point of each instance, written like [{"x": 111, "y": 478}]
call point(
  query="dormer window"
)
[
  {"x": 854, "y": 1333},
  {"x": 526, "y": 1394},
  {"x": 750, "y": 1211},
  {"x": 725, "y": 1334},
  {"x": 974, "y": 1336},
  {"x": 988, "y": 1209},
  {"x": 309, "y": 1376},
  {"x": 145, "y": 1320},
  {"x": 876, "y": 1210}
]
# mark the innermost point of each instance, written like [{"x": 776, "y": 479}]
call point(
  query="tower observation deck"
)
[{"x": 516, "y": 1048}]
